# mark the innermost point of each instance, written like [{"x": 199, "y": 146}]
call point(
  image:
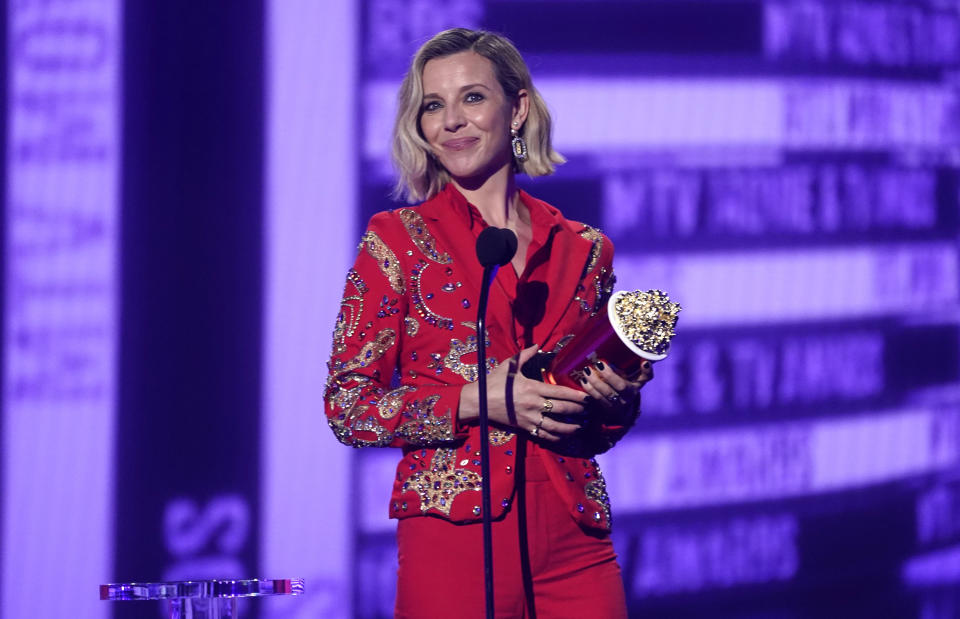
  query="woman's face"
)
[{"x": 466, "y": 116}]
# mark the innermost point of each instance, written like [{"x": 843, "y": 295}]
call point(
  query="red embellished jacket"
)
[{"x": 405, "y": 345}]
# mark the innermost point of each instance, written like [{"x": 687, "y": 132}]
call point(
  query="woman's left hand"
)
[{"x": 613, "y": 391}]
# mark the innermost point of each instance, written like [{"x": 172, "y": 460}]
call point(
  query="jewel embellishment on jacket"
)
[
  {"x": 596, "y": 237},
  {"x": 596, "y": 491},
  {"x": 458, "y": 350},
  {"x": 386, "y": 260},
  {"x": 370, "y": 352},
  {"x": 441, "y": 483},
  {"x": 419, "y": 299},
  {"x": 421, "y": 237},
  {"x": 351, "y": 308}
]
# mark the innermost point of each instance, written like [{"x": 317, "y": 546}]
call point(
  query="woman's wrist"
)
[{"x": 469, "y": 409}]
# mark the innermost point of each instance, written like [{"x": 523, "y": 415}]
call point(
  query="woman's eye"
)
[
  {"x": 431, "y": 106},
  {"x": 474, "y": 97}
]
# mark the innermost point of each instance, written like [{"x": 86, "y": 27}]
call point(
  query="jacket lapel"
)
[
  {"x": 449, "y": 215},
  {"x": 568, "y": 254},
  {"x": 456, "y": 226}
]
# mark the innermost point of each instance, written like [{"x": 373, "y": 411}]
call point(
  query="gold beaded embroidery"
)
[
  {"x": 423, "y": 426},
  {"x": 439, "y": 485},
  {"x": 421, "y": 236},
  {"x": 343, "y": 397},
  {"x": 596, "y": 491},
  {"x": 602, "y": 289},
  {"x": 347, "y": 423},
  {"x": 353, "y": 416},
  {"x": 370, "y": 352},
  {"x": 369, "y": 424},
  {"x": 419, "y": 298},
  {"x": 498, "y": 438},
  {"x": 411, "y": 325},
  {"x": 596, "y": 237},
  {"x": 386, "y": 260},
  {"x": 391, "y": 403},
  {"x": 459, "y": 349},
  {"x": 351, "y": 308}
]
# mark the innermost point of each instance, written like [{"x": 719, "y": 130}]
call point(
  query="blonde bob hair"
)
[{"x": 420, "y": 175}]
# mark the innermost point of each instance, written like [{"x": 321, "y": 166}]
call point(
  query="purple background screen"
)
[{"x": 185, "y": 184}]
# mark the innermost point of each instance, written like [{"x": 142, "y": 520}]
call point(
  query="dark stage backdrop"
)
[{"x": 187, "y": 465}]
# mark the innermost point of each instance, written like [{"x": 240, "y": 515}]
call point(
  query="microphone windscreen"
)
[{"x": 496, "y": 246}]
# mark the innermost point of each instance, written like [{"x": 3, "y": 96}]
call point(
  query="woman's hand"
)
[
  {"x": 613, "y": 391},
  {"x": 519, "y": 402}
]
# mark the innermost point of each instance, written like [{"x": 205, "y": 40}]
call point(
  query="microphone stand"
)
[
  {"x": 489, "y": 272},
  {"x": 495, "y": 248}
]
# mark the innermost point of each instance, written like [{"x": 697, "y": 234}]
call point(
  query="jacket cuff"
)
[{"x": 431, "y": 417}]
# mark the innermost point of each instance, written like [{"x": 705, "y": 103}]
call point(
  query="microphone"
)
[{"x": 496, "y": 246}]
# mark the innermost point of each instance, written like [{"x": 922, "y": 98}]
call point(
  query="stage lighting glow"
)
[{"x": 60, "y": 317}]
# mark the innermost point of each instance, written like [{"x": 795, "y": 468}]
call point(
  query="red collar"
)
[
  {"x": 449, "y": 199},
  {"x": 453, "y": 214}
]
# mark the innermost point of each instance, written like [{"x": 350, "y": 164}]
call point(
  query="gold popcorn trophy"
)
[{"x": 637, "y": 325}]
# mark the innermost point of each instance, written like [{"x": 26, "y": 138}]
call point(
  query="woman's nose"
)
[{"x": 453, "y": 118}]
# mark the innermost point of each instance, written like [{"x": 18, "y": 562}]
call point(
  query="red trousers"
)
[{"x": 570, "y": 572}]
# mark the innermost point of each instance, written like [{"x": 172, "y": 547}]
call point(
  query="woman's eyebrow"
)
[
  {"x": 462, "y": 88},
  {"x": 469, "y": 86}
]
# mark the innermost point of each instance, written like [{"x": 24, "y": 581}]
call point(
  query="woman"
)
[{"x": 403, "y": 368}]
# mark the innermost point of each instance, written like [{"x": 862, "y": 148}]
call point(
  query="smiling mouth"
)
[{"x": 459, "y": 143}]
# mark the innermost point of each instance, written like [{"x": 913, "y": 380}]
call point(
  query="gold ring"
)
[
  {"x": 535, "y": 431},
  {"x": 546, "y": 407},
  {"x": 540, "y": 423}
]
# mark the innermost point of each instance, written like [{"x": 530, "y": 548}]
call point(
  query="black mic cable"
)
[{"x": 495, "y": 248}]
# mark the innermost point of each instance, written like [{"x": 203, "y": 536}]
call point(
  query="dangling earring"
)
[{"x": 518, "y": 144}]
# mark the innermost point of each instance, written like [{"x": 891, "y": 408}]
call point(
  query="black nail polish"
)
[
  {"x": 587, "y": 400},
  {"x": 583, "y": 380},
  {"x": 600, "y": 365},
  {"x": 586, "y": 370}
]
